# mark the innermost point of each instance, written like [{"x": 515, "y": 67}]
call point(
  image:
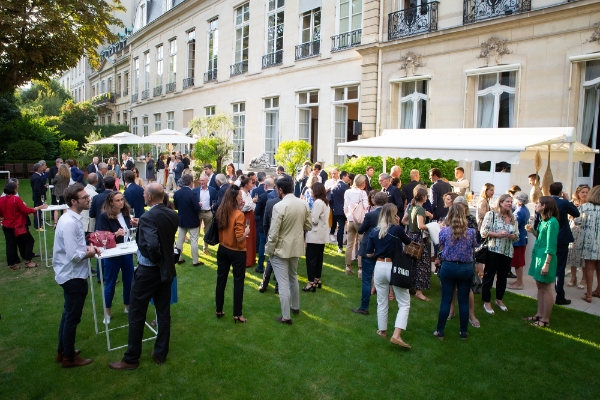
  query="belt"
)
[
  {"x": 385, "y": 259},
  {"x": 205, "y": 210},
  {"x": 147, "y": 266}
]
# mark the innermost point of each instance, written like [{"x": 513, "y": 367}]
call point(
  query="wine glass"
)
[
  {"x": 132, "y": 232},
  {"x": 43, "y": 199}
]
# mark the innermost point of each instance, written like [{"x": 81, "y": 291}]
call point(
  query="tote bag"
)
[{"x": 402, "y": 267}]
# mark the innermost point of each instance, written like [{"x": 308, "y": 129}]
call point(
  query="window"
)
[
  {"x": 145, "y": 125},
  {"x": 239, "y": 132},
  {"x": 147, "y": 70},
  {"x": 134, "y": 125},
  {"x": 191, "y": 55},
  {"x": 345, "y": 112},
  {"x": 209, "y": 111},
  {"x": 136, "y": 75},
  {"x": 172, "y": 60},
  {"x": 308, "y": 102},
  {"x": 310, "y": 26},
  {"x": 589, "y": 127},
  {"x": 126, "y": 84},
  {"x": 118, "y": 118},
  {"x": 119, "y": 84},
  {"x": 109, "y": 86},
  {"x": 171, "y": 120},
  {"x": 109, "y": 118},
  {"x": 275, "y": 26},
  {"x": 350, "y": 15},
  {"x": 159, "y": 65},
  {"x": 412, "y": 107},
  {"x": 213, "y": 50},
  {"x": 103, "y": 119},
  {"x": 156, "y": 122},
  {"x": 496, "y": 100},
  {"x": 242, "y": 31},
  {"x": 271, "y": 126},
  {"x": 125, "y": 120},
  {"x": 103, "y": 87}
]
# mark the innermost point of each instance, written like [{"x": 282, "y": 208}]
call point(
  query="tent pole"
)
[
  {"x": 570, "y": 168},
  {"x": 384, "y": 166}
]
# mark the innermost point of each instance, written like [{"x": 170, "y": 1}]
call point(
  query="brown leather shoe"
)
[
  {"x": 77, "y": 362},
  {"x": 59, "y": 355},
  {"x": 122, "y": 365},
  {"x": 284, "y": 321},
  {"x": 156, "y": 360}
]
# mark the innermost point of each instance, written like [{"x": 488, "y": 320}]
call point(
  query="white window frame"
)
[
  {"x": 157, "y": 122},
  {"x": 159, "y": 64},
  {"x": 191, "y": 53},
  {"x": 147, "y": 70},
  {"x": 173, "y": 60},
  {"x": 238, "y": 44},
  {"x": 271, "y": 106},
  {"x": 414, "y": 97},
  {"x": 314, "y": 36},
  {"x": 145, "y": 125},
  {"x": 305, "y": 107},
  {"x": 342, "y": 103},
  {"x": 210, "y": 110},
  {"x": 239, "y": 133},
  {"x": 213, "y": 31},
  {"x": 170, "y": 119},
  {"x": 338, "y": 19},
  {"x": 134, "y": 125},
  {"x": 270, "y": 12}
]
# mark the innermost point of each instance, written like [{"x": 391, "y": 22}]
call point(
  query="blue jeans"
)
[
  {"x": 112, "y": 266},
  {"x": 455, "y": 275},
  {"x": 75, "y": 292},
  {"x": 262, "y": 240},
  {"x": 368, "y": 265}
]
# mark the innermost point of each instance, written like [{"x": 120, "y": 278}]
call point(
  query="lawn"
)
[{"x": 329, "y": 352}]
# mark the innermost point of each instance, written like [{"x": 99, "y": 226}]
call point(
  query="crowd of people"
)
[{"x": 272, "y": 221}]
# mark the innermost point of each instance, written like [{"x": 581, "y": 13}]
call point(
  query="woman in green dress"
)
[{"x": 543, "y": 259}]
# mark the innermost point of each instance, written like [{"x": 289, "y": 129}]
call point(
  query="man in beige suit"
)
[{"x": 285, "y": 244}]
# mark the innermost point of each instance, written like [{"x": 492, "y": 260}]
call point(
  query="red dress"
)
[{"x": 250, "y": 240}]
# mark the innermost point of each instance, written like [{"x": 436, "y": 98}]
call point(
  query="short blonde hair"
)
[{"x": 359, "y": 180}]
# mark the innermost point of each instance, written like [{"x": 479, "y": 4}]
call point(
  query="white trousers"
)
[
  {"x": 286, "y": 272},
  {"x": 160, "y": 177},
  {"x": 170, "y": 183},
  {"x": 381, "y": 276},
  {"x": 181, "y": 232}
]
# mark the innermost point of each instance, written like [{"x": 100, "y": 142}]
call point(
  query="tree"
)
[
  {"x": 215, "y": 144},
  {"x": 42, "y": 38},
  {"x": 25, "y": 150},
  {"x": 291, "y": 154},
  {"x": 91, "y": 150},
  {"x": 49, "y": 97},
  {"x": 68, "y": 149},
  {"x": 77, "y": 120}
]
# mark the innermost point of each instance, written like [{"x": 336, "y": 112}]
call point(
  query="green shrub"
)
[
  {"x": 25, "y": 150},
  {"x": 291, "y": 154},
  {"x": 68, "y": 149}
]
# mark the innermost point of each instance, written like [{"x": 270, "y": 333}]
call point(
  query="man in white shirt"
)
[
  {"x": 90, "y": 189},
  {"x": 331, "y": 182},
  {"x": 171, "y": 179},
  {"x": 71, "y": 270},
  {"x": 206, "y": 196},
  {"x": 461, "y": 184}
]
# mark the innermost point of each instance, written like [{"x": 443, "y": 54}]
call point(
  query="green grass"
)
[{"x": 328, "y": 353}]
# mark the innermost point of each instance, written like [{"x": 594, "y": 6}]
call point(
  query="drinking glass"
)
[
  {"x": 43, "y": 199},
  {"x": 132, "y": 232}
]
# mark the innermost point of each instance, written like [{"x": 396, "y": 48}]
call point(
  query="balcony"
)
[
  {"x": 413, "y": 21},
  {"x": 157, "y": 91},
  {"x": 188, "y": 82},
  {"x": 346, "y": 40},
  {"x": 145, "y": 94},
  {"x": 134, "y": 97},
  {"x": 272, "y": 59},
  {"x": 308, "y": 50},
  {"x": 479, "y": 10},
  {"x": 103, "y": 99},
  {"x": 125, "y": 92},
  {"x": 210, "y": 76},
  {"x": 238, "y": 68},
  {"x": 118, "y": 95},
  {"x": 170, "y": 87}
]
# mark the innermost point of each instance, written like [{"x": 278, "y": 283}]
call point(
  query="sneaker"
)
[
  {"x": 332, "y": 238},
  {"x": 126, "y": 311},
  {"x": 359, "y": 273},
  {"x": 106, "y": 319},
  {"x": 340, "y": 250}
]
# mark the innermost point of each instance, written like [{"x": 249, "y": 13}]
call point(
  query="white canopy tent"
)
[
  {"x": 167, "y": 136},
  {"x": 119, "y": 139},
  {"x": 497, "y": 145}
]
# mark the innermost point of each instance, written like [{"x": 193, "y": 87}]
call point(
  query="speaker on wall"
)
[{"x": 357, "y": 128}]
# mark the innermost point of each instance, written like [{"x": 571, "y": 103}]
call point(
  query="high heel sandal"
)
[
  {"x": 318, "y": 283},
  {"x": 239, "y": 318},
  {"x": 220, "y": 314},
  {"x": 572, "y": 282},
  {"x": 310, "y": 287},
  {"x": 349, "y": 271}
]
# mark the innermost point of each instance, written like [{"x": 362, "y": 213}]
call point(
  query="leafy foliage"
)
[
  {"x": 77, "y": 120},
  {"x": 291, "y": 154},
  {"x": 42, "y": 38},
  {"x": 26, "y": 150},
  {"x": 213, "y": 150},
  {"x": 47, "y": 97},
  {"x": 34, "y": 128},
  {"x": 215, "y": 144},
  {"x": 68, "y": 149}
]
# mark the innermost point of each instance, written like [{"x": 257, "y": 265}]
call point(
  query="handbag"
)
[
  {"x": 402, "y": 268},
  {"x": 414, "y": 250},
  {"x": 358, "y": 213},
  {"x": 96, "y": 238},
  {"x": 482, "y": 250},
  {"x": 211, "y": 236},
  {"x": 476, "y": 284}
]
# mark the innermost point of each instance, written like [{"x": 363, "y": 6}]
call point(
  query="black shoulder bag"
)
[
  {"x": 211, "y": 237},
  {"x": 402, "y": 267}
]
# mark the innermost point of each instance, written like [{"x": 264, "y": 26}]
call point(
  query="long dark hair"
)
[
  {"x": 228, "y": 206},
  {"x": 110, "y": 211},
  {"x": 550, "y": 209},
  {"x": 318, "y": 192}
]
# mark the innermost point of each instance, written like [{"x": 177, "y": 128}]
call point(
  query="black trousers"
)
[
  {"x": 314, "y": 260},
  {"x": 23, "y": 243},
  {"x": 562, "y": 252},
  {"x": 37, "y": 217},
  {"x": 147, "y": 285},
  {"x": 75, "y": 292},
  {"x": 340, "y": 221},
  {"x": 496, "y": 264},
  {"x": 227, "y": 258},
  {"x": 267, "y": 276}
]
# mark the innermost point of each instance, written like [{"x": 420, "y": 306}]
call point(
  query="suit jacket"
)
[
  {"x": 134, "y": 195},
  {"x": 565, "y": 208},
  {"x": 407, "y": 190},
  {"x": 368, "y": 187},
  {"x": 178, "y": 171},
  {"x": 291, "y": 217},
  {"x": 259, "y": 211},
  {"x": 323, "y": 176},
  {"x": 337, "y": 197},
  {"x": 51, "y": 174},
  {"x": 100, "y": 185},
  {"x": 395, "y": 196},
  {"x": 91, "y": 168},
  {"x": 220, "y": 195},
  {"x": 156, "y": 237},
  {"x": 267, "y": 216},
  {"x": 103, "y": 223},
  {"x": 212, "y": 193},
  {"x": 97, "y": 202},
  {"x": 438, "y": 190},
  {"x": 212, "y": 183},
  {"x": 260, "y": 189},
  {"x": 186, "y": 202},
  {"x": 38, "y": 188},
  {"x": 129, "y": 165},
  {"x": 365, "y": 228}
]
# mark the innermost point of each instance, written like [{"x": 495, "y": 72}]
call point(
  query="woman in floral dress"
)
[
  {"x": 590, "y": 221},
  {"x": 575, "y": 248}
]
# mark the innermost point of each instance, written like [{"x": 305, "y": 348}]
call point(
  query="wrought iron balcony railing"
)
[
  {"x": 238, "y": 68},
  {"x": 210, "y": 76},
  {"x": 145, "y": 94},
  {"x": 118, "y": 95},
  {"x": 170, "y": 87},
  {"x": 413, "y": 20},
  {"x": 272, "y": 59},
  {"x": 125, "y": 92},
  {"x": 157, "y": 91},
  {"x": 307, "y": 50},
  {"x": 103, "y": 99},
  {"x": 346, "y": 40},
  {"x": 188, "y": 82},
  {"x": 478, "y": 10},
  {"x": 134, "y": 97}
]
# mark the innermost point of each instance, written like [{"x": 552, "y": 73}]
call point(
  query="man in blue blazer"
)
[
  {"x": 259, "y": 213},
  {"x": 438, "y": 190},
  {"x": 134, "y": 194},
  {"x": 206, "y": 196},
  {"x": 38, "y": 189},
  {"x": 223, "y": 186},
  {"x": 565, "y": 236},
  {"x": 178, "y": 171},
  {"x": 368, "y": 264},
  {"x": 188, "y": 205},
  {"x": 394, "y": 195},
  {"x": 208, "y": 171},
  {"x": 337, "y": 199}
]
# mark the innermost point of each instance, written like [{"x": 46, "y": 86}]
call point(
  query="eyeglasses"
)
[{"x": 86, "y": 197}]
